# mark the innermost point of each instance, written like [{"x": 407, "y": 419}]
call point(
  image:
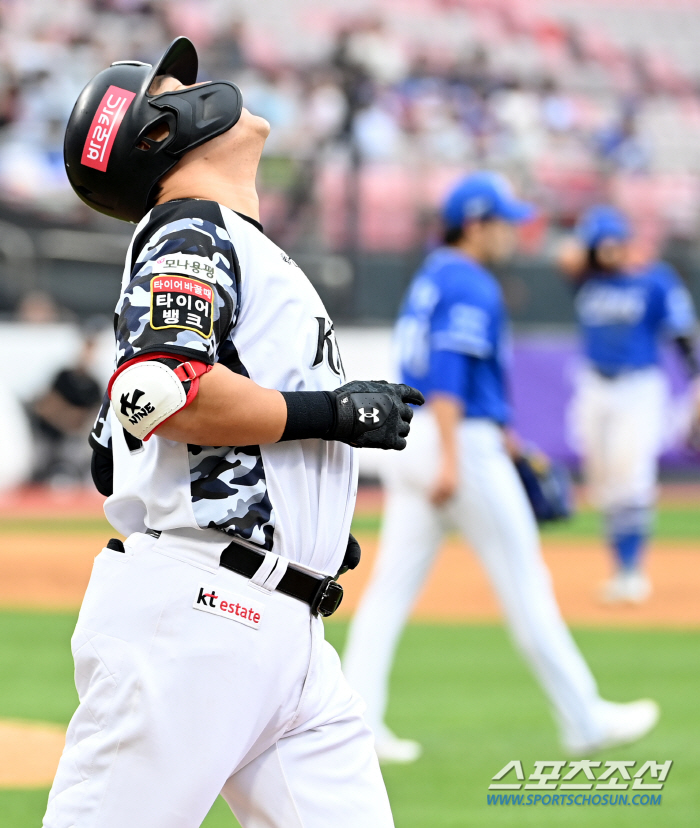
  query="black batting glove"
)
[
  {"x": 373, "y": 414},
  {"x": 352, "y": 556}
]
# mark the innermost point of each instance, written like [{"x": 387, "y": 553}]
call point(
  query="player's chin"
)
[
  {"x": 250, "y": 131},
  {"x": 503, "y": 251},
  {"x": 259, "y": 125}
]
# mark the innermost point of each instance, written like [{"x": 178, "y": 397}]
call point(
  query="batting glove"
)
[{"x": 374, "y": 414}]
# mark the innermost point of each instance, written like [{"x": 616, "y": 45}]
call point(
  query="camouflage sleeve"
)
[
  {"x": 183, "y": 295},
  {"x": 101, "y": 435}
]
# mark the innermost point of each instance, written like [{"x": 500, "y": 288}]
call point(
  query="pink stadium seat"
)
[
  {"x": 388, "y": 208},
  {"x": 566, "y": 192},
  {"x": 331, "y": 192}
]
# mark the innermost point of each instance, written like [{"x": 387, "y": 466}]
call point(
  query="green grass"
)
[
  {"x": 462, "y": 692},
  {"x": 55, "y": 525},
  {"x": 36, "y": 667},
  {"x": 672, "y": 523}
]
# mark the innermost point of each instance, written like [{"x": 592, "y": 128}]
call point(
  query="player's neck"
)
[
  {"x": 238, "y": 194},
  {"x": 472, "y": 248}
]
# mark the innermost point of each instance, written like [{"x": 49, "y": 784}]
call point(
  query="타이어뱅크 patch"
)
[{"x": 178, "y": 302}]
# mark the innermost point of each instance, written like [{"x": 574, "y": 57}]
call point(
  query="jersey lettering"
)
[
  {"x": 467, "y": 331},
  {"x": 603, "y": 305},
  {"x": 412, "y": 338},
  {"x": 289, "y": 260},
  {"x": 327, "y": 347}
]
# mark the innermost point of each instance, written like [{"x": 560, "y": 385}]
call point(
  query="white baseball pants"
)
[
  {"x": 492, "y": 512},
  {"x": 178, "y": 705},
  {"x": 617, "y": 425}
]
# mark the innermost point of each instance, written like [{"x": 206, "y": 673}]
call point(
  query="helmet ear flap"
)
[{"x": 203, "y": 112}]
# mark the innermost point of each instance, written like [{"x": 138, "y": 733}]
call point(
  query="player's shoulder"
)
[
  {"x": 434, "y": 280},
  {"x": 447, "y": 278},
  {"x": 465, "y": 281},
  {"x": 662, "y": 274},
  {"x": 184, "y": 221},
  {"x": 240, "y": 224},
  {"x": 187, "y": 237},
  {"x": 452, "y": 271}
]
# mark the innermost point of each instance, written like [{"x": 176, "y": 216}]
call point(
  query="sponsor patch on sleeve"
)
[
  {"x": 186, "y": 264},
  {"x": 182, "y": 303}
]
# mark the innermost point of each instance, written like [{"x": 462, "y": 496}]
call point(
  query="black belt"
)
[{"x": 322, "y": 594}]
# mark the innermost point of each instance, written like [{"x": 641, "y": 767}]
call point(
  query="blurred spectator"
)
[
  {"x": 355, "y": 82},
  {"x": 226, "y": 55},
  {"x": 326, "y": 108},
  {"x": 60, "y": 420},
  {"x": 381, "y": 89},
  {"x": 9, "y": 91},
  {"x": 37, "y": 308},
  {"x": 474, "y": 71},
  {"x": 520, "y": 113},
  {"x": 275, "y": 94},
  {"x": 558, "y": 111},
  {"x": 380, "y": 55},
  {"x": 620, "y": 147},
  {"x": 377, "y": 133}
]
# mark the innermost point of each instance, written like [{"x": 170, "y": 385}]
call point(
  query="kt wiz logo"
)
[{"x": 105, "y": 126}]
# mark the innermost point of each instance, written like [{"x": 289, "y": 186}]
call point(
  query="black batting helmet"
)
[{"x": 112, "y": 164}]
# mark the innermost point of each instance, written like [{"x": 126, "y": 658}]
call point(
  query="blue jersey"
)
[
  {"x": 623, "y": 317},
  {"x": 450, "y": 334}
]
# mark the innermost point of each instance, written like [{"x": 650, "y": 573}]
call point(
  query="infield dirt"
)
[
  {"x": 51, "y": 572},
  {"x": 44, "y": 571}
]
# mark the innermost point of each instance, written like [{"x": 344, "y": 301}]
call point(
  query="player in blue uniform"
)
[
  {"x": 621, "y": 395},
  {"x": 457, "y": 472}
]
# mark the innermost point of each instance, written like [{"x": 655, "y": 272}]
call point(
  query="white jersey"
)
[{"x": 202, "y": 282}]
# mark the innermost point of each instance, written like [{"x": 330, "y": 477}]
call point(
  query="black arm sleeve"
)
[
  {"x": 686, "y": 347},
  {"x": 102, "y": 470},
  {"x": 309, "y": 414}
]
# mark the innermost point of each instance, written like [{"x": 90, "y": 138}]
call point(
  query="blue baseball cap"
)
[
  {"x": 484, "y": 195},
  {"x": 602, "y": 222}
]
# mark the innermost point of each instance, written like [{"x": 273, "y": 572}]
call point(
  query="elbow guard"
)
[{"x": 146, "y": 392}]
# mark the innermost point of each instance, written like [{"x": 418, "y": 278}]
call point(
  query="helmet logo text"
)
[{"x": 104, "y": 127}]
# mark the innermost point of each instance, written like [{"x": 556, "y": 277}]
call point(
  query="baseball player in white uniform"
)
[
  {"x": 457, "y": 472},
  {"x": 620, "y": 406},
  {"x": 224, "y": 445}
]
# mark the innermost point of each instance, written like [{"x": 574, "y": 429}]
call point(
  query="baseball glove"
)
[{"x": 547, "y": 485}]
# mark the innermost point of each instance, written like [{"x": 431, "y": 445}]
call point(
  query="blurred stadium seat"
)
[{"x": 375, "y": 110}]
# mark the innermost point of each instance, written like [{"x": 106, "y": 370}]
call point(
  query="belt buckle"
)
[{"x": 328, "y": 598}]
